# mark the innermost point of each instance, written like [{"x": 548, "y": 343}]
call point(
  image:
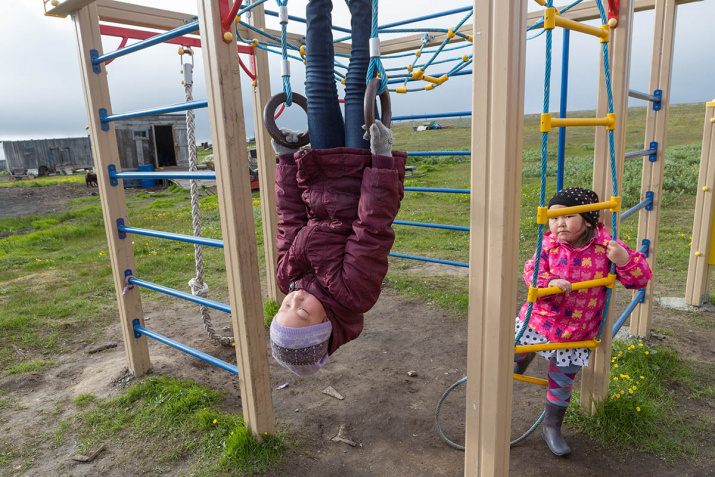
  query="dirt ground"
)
[{"x": 388, "y": 414}]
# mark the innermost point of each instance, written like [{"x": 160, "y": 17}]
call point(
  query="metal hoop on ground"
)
[
  {"x": 460, "y": 447},
  {"x": 385, "y": 108},
  {"x": 269, "y": 119}
]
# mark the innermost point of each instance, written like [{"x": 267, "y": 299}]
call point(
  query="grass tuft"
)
[{"x": 270, "y": 308}]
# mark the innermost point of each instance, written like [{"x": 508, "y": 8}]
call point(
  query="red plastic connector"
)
[{"x": 613, "y": 9}]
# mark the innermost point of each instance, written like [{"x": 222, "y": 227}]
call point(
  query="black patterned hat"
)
[{"x": 573, "y": 196}]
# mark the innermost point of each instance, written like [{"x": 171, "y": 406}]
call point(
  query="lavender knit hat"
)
[{"x": 302, "y": 350}]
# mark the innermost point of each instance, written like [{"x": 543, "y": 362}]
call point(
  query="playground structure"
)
[{"x": 499, "y": 32}]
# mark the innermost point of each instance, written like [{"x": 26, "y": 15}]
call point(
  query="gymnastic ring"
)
[
  {"x": 270, "y": 121},
  {"x": 370, "y": 97}
]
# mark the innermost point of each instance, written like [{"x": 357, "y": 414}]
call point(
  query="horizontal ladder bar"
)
[
  {"x": 171, "y": 236},
  {"x": 535, "y": 293},
  {"x": 427, "y": 259},
  {"x": 445, "y": 191},
  {"x": 171, "y": 108},
  {"x": 179, "y": 294},
  {"x": 547, "y": 122},
  {"x": 590, "y": 344},
  {"x": 644, "y": 96},
  {"x": 199, "y": 176},
  {"x": 434, "y": 226},
  {"x": 426, "y": 17},
  {"x": 429, "y": 116},
  {"x": 543, "y": 214},
  {"x": 629, "y": 309},
  {"x": 440, "y": 153},
  {"x": 140, "y": 330},
  {"x": 140, "y": 45},
  {"x": 629, "y": 212},
  {"x": 553, "y": 19}
]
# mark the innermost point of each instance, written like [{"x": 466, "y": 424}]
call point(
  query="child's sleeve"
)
[
  {"x": 292, "y": 213},
  {"x": 545, "y": 273},
  {"x": 358, "y": 283},
  {"x": 636, "y": 273}
]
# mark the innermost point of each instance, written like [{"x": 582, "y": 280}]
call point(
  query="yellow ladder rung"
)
[
  {"x": 529, "y": 379},
  {"x": 607, "y": 282},
  {"x": 547, "y": 122},
  {"x": 590, "y": 344},
  {"x": 543, "y": 214},
  {"x": 552, "y": 19}
]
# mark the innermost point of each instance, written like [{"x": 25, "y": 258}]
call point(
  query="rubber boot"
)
[
  {"x": 551, "y": 431},
  {"x": 520, "y": 366}
]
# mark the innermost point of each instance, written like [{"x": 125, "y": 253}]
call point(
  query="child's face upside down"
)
[
  {"x": 567, "y": 227},
  {"x": 300, "y": 309}
]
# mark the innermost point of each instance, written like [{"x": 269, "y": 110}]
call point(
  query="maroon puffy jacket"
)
[{"x": 336, "y": 207}]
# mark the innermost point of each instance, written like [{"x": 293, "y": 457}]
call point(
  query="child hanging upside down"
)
[
  {"x": 336, "y": 203},
  {"x": 577, "y": 248}
]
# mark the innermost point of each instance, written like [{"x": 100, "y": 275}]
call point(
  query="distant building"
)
[{"x": 160, "y": 140}]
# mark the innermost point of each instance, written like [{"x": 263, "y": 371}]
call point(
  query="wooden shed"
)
[{"x": 160, "y": 140}]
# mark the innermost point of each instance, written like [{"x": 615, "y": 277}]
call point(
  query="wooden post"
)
[
  {"x": 223, "y": 88},
  {"x": 266, "y": 159},
  {"x": 112, "y": 198},
  {"x": 656, "y": 127},
  {"x": 697, "y": 289},
  {"x": 594, "y": 379},
  {"x": 497, "y": 133}
]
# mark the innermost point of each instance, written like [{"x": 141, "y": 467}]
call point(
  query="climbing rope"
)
[
  {"x": 542, "y": 203},
  {"x": 197, "y": 285},
  {"x": 285, "y": 64},
  {"x": 375, "y": 68}
]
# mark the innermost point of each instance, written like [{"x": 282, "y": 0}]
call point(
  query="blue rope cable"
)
[
  {"x": 284, "y": 55},
  {"x": 446, "y": 40},
  {"x": 375, "y": 63},
  {"x": 402, "y": 55}
]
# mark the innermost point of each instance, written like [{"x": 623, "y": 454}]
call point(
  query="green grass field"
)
[{"x": 55, "y": 273}]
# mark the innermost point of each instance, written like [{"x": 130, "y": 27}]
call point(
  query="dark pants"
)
[{"x": 325, "y": 120}]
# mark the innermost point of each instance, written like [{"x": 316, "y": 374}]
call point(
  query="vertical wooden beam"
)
[
  {"x": 594, "y": 379},
  {"x": 112, "y": 198},
  {"x": 497, "y": 133},
  {"x": 697, "y": 288},
  {"x": 266, "y": 159},
  {"x": 223, "y": 88},
  {"x": 661, "y": 70}
]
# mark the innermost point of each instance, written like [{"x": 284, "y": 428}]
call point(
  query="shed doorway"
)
[{"x": 164, "y": 141}]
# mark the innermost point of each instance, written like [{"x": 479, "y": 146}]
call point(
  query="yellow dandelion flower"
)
[
  {"x": 613, "y": 397},
  {"x": 615, "y": 379},
  {"x": 231, "y": 432},
  {"x": 647, "y": 352},
  {"x": 642, "y": 377},
  {"x": 618, "y": 396},
  {"x": 640, "y": 344},
  {"x": 630, "y": 391},
  {"x": 638, "y": 409},
  {"x": 215, "y": 421},
  {"x": 615, "y": 365},
  {"x": 634, "y": 388}
]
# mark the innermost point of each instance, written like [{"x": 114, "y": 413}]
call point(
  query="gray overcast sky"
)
[{"x": 42, "y": 96}]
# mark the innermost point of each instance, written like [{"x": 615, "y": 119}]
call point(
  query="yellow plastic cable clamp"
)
[
  {"x": 470, "y": 39},
  {"x": 465, "y": 58},
  {"x": 550, "y": 18},
  {"x": 542, "y": 215},
  {"x": 545, "y": 123},
  {"x": 302, "y": 50},
  {"x": 401, "y": 89},
  {"x": 611, "y": 117},
  {"x": 410, "y": 67},
  {"x": 238, "y": 19},
  {"x": 533, "y": 295},
  {"x": 611, "y": 280},
  {"x": 606, "y": 38},
  {"x": 418, "y": 74},
  {"x": 418, "y": 53},
  {"x": 615, "y": 204},
  {"x": 342, "y": 81},
  {"x": 450, "y": 33},
  {"x": 254, "y": 43},
  {"x": 227, "y": 37},
  {"x": 429, "y": 87},
  {"x": 541, "y": 2}
]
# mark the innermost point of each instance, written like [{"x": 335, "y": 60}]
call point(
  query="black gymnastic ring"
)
[
  {"x": 370, "y": 97},
  {"x": 270, "y": 121}
]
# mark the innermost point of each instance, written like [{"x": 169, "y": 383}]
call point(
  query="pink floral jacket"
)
[{"x": 577, "y": 317}]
